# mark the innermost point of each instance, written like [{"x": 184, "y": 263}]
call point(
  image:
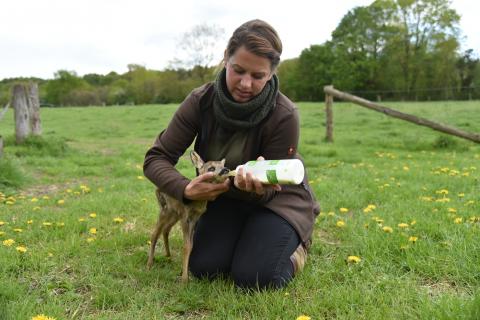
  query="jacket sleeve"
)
[{"x": 171, "y": 143}]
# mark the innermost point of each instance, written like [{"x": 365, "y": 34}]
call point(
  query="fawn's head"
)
[{"x": 217, "y": 167}]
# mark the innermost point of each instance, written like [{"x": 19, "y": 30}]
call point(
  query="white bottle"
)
[{"x": 287, "y": 171}]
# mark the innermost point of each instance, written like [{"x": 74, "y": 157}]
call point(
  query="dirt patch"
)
[
  {"x": 439, "y": 288},
  {"x": 41, "y": 190}
]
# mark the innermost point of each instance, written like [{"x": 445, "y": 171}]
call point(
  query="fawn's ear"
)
[
  {"x": 196, "y": 159},
  {"x": 223, "y": 162}
]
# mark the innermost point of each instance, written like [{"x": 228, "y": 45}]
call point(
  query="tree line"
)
[{"x": 389, "y": 50}]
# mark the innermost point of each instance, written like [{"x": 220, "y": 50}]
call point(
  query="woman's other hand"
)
[
  {"x": 247, "y": 182},
  {"x": 200, "y": 188}
]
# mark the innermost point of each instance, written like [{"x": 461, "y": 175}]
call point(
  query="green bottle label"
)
[
  {"x": 272, "y": 176},
  {"x": 273, "y": 162}
]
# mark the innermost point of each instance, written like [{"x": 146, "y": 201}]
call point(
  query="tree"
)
[
  {"x": 59, "y": 89},
  {"x": 422, "y": 26},
  {"x": 200, "y": 47}
]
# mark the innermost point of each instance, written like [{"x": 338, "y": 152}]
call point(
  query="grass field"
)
[{"x": 403, "y": 199}]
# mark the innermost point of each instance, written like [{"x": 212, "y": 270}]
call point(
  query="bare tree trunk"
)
[
  {"x": 20, "y": 106},
  {"x": 34, "y": 109}
]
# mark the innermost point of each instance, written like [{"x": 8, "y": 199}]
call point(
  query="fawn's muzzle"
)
[{"x": 224, "y": 171}]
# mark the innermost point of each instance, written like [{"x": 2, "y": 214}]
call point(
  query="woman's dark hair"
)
[{"x": 259, "y": 38}]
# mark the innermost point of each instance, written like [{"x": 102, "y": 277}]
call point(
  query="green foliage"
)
[{"x": 389, "y": 50}]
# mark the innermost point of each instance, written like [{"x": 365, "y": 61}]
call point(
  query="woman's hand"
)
[
  {"x": 247, "y": 182},
  {"x": 201, "y": 189}
]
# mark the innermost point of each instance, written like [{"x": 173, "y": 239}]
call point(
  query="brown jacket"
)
[{"x": 276, "y": 137}]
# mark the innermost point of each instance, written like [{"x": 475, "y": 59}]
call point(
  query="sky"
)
[{"x": 40, "y": 37}]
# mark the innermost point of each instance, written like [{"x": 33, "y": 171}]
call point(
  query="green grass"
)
[{"x": 91, "y": 158}]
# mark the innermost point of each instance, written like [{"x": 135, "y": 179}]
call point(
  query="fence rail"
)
[{"x": 331, "y": 92}]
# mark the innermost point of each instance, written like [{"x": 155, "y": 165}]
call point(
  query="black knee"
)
[{"x": 262, "y": 279}]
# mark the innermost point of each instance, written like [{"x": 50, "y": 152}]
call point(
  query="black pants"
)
[{"x": 251, "y": 244}]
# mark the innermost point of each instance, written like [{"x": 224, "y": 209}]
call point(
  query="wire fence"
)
[{"x": 426, "y": 94}]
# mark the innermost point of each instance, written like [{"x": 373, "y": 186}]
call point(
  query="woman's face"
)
[{"x": 247, "y": 74}]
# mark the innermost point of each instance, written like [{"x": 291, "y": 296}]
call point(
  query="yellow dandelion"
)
[
  {"x": 340, "y": 223},
  {"x": 461, "y": 195},
  {"x": 50, "y": 255},
  {"x": 404, "y": 247},
  {"x": 452, "y": 210},
  {"x": 29, "y": 221},
  {"x": 81, "y": 219},
  {"x": 2, "y": 233},
  {"x": 406, "y": 168},
  {"x": 90, "y": 239},
  {"x": 93, "y": 231},
  {"x": 36, "y": 208},
  {"x": 353, "y": 259},
  {"x": 118, "y": 220},
  {"x": 69, "y": 191},
  {"x": 42, "y": 317},
  {"x": 61, "y": 202},
  {"x": 331, "y": 214},
  {"x": 92, "y": 215},
  {"x": 140, "y": 177},
  {"x": 45, "y": 197},
  {"x": 343, "y": 210},
  {"x": 413, "y": 239},
  {"x": 18, "y": 230},
  {"x": 60, "y": 224},
  {"x": 426, "y": 198},
  {"x": 47, "y": 224},
  {"x": 34, "y": 199},
  {"x": 403, "y": 225},
  {"x": 458, "y": 220},
  {"x": 8, "y": 242},
  {"x": 387, "y": 229},
  {"x": 10, "y": 203},
  {"x": 442, "y": 191},
  {"x": 303, "y": 317},
  {"x": 21, "y": 249},
  {"x": 2, "y": 223}
]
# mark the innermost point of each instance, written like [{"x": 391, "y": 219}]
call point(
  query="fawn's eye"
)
[{"x": 211, "y": 169}]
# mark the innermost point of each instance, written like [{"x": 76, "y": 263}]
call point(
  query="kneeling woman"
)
[{"x": 257, "y": 234}]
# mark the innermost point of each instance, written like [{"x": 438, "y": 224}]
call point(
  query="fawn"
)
[{"x": 172, "y": 210}]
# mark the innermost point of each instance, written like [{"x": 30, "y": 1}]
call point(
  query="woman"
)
[{"x": 257, "y": 234}]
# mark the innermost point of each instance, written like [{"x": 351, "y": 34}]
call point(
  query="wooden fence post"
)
[
  {"x": 21, "y": 115},
  {"x": 329, "y": 115},
  {"x": 2, "y": 113},
  {"x": 34, "y": 108}
]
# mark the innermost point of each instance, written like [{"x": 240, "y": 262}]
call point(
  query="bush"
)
[
  {"x": 10, "y": 176},
  {"x": 444, "y": 142},
  {"x": 38, "y": 146}
]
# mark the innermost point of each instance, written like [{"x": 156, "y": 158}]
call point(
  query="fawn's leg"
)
[
  {"x": 162, "y": 220},
  {"x": 165, "y": 232},
  {"x": 187, "y": 228}
]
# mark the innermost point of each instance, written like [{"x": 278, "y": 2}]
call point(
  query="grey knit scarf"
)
[{"x": 240, "y": 116}]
